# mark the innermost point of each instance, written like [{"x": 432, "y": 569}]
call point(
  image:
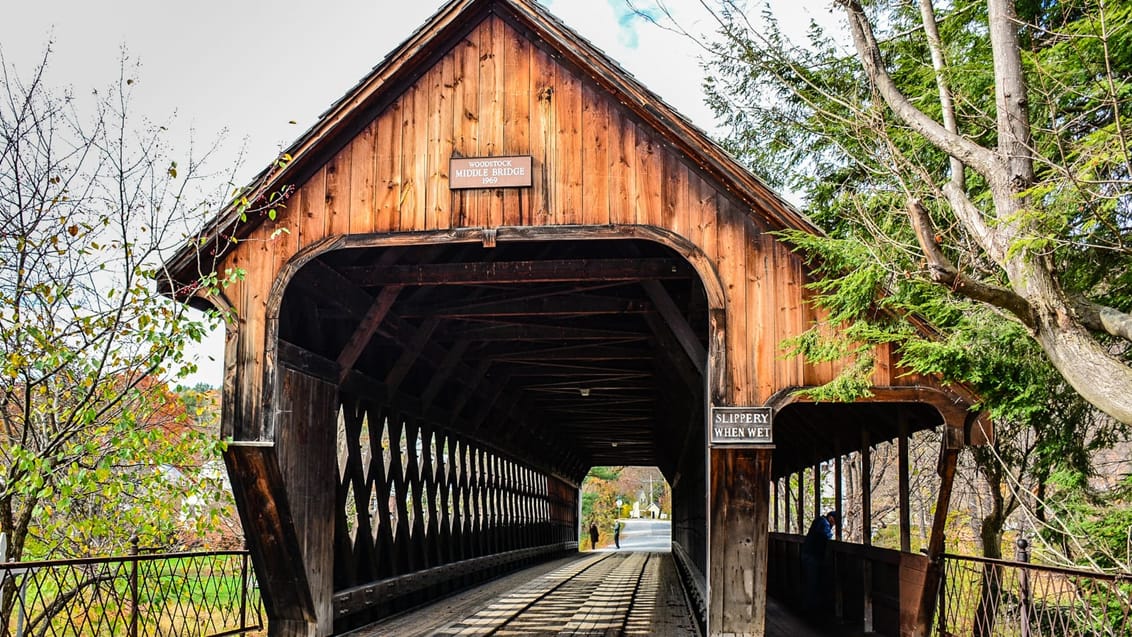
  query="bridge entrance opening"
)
[
  {"x": 626, "y": 508},
  {"x": 476, "y": 387}
]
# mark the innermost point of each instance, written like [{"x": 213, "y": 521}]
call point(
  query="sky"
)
[{"x": 258, "y": 73}]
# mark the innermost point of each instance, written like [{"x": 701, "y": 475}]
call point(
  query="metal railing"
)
[
  {"x": 986, "y": 597},
  {"x": 203, "y": 594}
]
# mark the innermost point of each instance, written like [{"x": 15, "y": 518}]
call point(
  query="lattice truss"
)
[{"x": 412, "y": 497}]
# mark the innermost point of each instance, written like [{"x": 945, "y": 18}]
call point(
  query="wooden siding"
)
[{"x": 595, "y": 164}]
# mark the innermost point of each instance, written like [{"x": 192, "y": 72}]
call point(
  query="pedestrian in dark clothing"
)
[
  {"x": 593, "y": 535},
  {"x": 617, "y": 534},
  {"x": 813, "y": 556}
]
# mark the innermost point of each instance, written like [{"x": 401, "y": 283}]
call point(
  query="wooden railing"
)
[{"x": 877, "y": 589}]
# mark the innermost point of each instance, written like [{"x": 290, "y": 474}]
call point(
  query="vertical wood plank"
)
[
  {"x": 440, "y": 85},
  {"x": 417, "y": 201},
  {"x": 568, "y": 106},
  {"x": 516, "y": 117},
  {"x": 595, "y": 157},
  {"x": 760, "y": 327},
  {"x": 623, "y": 186},
  {"x": 314, "y": 218},
  {"x": 790, "y": 320},
  {"x": 543, "y": 137},
  {"x": 256, "y": 423},
  {"x": 362, "y": 168},
  {"x": 671, "y": 184},
  {"x": 650, "y": 169},
  {"x": 338, "y": 193},
  {"x": 469, "y": 128},
  {"x": 388, "y": 169},
  {"x": 296, "y": 215},
  {"x": 731, "y": 262},
  {"x": 410, "y": 149},
  {"x": 707, "y": 218},
  {"x": 491, "y": 112},
  {"x": 882, "y": 367}
]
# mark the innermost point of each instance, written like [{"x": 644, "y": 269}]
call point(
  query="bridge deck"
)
[{"x": 598, "y": 593}]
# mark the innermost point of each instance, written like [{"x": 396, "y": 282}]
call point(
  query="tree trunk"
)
[
  {"x": 990, "y": 586},
  {"x": 1059, "y": 325}
]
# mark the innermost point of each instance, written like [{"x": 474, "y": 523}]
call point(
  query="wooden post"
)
[
  {"x": 774, "y": 503},
  {"x": 786, "y": 504},
  {"x": 802, "y": 501},
  {"x": 1025, "y": 602},
  {"x": 817, "y": 490},
  {"x": 949, "y": 458},
  {"x": 866, "y": 529},
  {"x": 905, "y": 496},
  {"x": 738, "y": 547},
  {"x": 866, "y": 490},
  {"x": 838, "y": 493}
]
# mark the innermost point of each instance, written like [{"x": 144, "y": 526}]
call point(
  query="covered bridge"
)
[{"x": 500, "y": 261}]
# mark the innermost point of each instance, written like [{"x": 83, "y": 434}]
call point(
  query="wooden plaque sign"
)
[
  {"x": 489, "y": 172},
  {"x": 742, "y": 426}
]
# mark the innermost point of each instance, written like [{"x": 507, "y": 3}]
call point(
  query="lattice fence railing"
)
[{"x": 412, "y": 497}]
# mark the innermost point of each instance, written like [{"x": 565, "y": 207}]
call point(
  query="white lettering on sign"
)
[{"x": 742, "y": 425}]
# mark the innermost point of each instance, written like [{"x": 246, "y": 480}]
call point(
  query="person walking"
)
[
  {"x": 617, "y": 534},
  {"x": 593, "y": 535},
  {"x": 813, "y": 556}
]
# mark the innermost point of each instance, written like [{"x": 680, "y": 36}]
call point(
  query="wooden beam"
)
[
  {"x": 444, "y": 370},
  {"x": 948, "y": 461},
  {"x": 673, "y": 352},
  {"x": 257, "y": 485},
  {"x": 518, "y": 272},
  {"x": 410, "y": 354},
  {"x": 366, "y": 328},
  {"x": 558, "y": 305},
  {"x": 676, "y": 322},
  {"x": 587, "y": 352},
  {"x": 482, "y": 330}
]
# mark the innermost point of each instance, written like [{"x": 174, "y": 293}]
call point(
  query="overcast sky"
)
[{"x": 260, "y": 72}]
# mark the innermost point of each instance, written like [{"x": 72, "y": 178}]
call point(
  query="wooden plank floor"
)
[{"x": 598, "y": 593}]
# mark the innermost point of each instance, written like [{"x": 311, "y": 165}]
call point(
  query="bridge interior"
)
[{"x": 477, "y": 386}]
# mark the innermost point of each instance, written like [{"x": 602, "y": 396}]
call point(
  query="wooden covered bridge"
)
[{"x": 502, "y": 261}]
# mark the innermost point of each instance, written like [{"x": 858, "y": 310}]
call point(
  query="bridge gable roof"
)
[{"x": 405, "y": 65}]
